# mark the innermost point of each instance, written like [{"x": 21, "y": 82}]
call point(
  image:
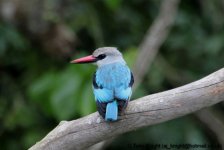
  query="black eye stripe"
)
[{"x": 101, "y": 56}]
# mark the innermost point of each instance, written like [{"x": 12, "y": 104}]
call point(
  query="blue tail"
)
[{"x": 111, "y": 111}]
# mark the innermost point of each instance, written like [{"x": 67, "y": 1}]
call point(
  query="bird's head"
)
[{"x": 102, "y": 56}]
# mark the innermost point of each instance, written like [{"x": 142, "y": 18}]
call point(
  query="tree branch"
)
[
  {"x": 154, "y": 38},
  {"x": 148, "y": 110}
]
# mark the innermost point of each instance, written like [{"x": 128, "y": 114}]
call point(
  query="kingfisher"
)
[{"x": 112, "y": 81}]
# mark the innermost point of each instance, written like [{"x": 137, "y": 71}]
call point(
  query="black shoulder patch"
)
[
  {"x": 132, "y": 80},
  {"x": 95, "y": 85},
  {"x": 101, "y": 107}
]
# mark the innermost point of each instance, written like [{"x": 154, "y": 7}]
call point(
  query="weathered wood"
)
[{"x": 148, "y": 110}]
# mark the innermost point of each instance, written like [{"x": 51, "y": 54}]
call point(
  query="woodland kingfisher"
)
[{"x": 112, "y": 81}]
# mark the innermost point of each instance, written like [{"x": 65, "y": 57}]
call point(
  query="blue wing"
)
[
  {"x": 123, "y": 94},
  {"x": 112, "y": 83},
  {"x": 102, "y": 96}
]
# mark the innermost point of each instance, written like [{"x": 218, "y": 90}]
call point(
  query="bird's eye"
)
[{"x": 101, "y": 56}]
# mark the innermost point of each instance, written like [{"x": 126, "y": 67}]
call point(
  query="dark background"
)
[{"x": 39, "y": 87}]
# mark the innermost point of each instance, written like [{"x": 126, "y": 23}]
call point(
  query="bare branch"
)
[
  {"x": 154, "y": 38},
  {"x": 148, "y": 110}
]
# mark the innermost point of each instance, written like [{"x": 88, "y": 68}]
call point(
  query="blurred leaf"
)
[
  {"x": 41, "y": 89},
  {"x": 87, "y": 101},
  {"x": 3, "y": 106},
  {"x": 130, "y": 56},
  {"x": 3, "y": 46},
  {"x": 63, "y": 97},
  {"x": 214, "y": 44},
  {"x": 11, "y": 38},
  {"x": 20, "y": 116},
  {"x": 31, "y": 136},
  {"x": 113, "y": 4}
]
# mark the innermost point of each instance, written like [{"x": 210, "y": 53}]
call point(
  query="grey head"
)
[{"x": 108, "y": 55}]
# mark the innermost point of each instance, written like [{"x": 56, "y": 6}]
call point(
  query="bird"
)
[{"x": 112, "y": 81}]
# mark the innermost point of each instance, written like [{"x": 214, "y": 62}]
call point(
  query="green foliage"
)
[
  {"x": 113, "y": 4},
  {"x": 10, "y": 38},
  {"x": 130, "y": 56},
  {"x": 65, "y": 93}
]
